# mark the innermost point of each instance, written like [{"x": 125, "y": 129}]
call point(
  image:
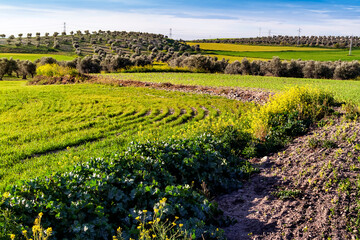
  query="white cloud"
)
[{"x": 193, "y": 25}]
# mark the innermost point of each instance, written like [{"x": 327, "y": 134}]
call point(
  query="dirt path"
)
[
  {"x": 241, "y": 94},
  {"x": 317, "y": 175}
]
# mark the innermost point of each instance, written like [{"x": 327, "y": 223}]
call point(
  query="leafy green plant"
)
[
  {"x": 287, "y": 193},
  {"x": 8, "y": 221},
  {"x": 352, "y": 110},
  {"x": 314, "y": 142},
  {"x": 114, "y": 190}
]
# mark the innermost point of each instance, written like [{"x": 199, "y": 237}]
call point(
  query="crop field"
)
[
  {"x": 237, "y": 52},
  {"x": 97, "y": 156},
  {"x": 253, "y": 48},
  {"x": 34, "y": 56},
  {"x": 234, "y": 58},
  {"x": 343, "y": 89},
  {"x": 41, "y": 125}
]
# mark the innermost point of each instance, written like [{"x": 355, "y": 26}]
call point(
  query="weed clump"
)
[
  {"x": 287, "y": 115},
  {"x": 55, "y": 70}
]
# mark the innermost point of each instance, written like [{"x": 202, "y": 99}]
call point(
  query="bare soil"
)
[
  {"x": 241, "y": 94},
  {"x": 320, "y": 171}
]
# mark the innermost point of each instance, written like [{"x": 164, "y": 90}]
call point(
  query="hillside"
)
[{"x": 85, "y": 43}]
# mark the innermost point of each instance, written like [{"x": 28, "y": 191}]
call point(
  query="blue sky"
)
[{"x": 188, "y": 19}]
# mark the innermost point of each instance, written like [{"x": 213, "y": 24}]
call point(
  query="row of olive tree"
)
[
  {"x": 20, "y": 68},
  {"x": 274, "y": 67},
  {"x": 313, "y": 41},
  {"x": 88, "y": 64}
]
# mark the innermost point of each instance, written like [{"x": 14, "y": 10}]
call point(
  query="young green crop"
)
[
  {"x": 343, "y": 89},
  {"x": 39, "y": 123},
  {"x": 333, "y": 55},
  {"x": 34, "y": 56}
]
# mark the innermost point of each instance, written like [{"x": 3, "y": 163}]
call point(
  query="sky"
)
[{"x": 188, "y": 19}]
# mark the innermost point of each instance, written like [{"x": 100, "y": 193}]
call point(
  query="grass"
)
[
  {"x": 44, "y": 129},
  {"x": 34, "y": 56},
  {"x": 343, "y": 89}
]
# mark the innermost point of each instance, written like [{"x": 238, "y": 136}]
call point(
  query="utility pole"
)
[
  {"x": 351, "y": 42},
  {"x": 64, "y": 27},
  {"x": 170, "y": 35},
  {"x": 298, "y": 42}
]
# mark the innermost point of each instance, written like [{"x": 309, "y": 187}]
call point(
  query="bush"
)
[
  {"x": 89, "y": 64},
  {"x": 289, "y": 114},
  {"x": 233, "y": 68},
  {"x": 54, "y": 70},
  {"x": 347, "y": 70}
]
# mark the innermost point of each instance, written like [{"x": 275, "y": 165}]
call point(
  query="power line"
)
[
  {"x": 298, "y": 42},
  {"x": 351, "y": 42}
]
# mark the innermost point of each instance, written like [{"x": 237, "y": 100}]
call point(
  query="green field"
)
[
  {"x": 237, "y": 52},
  {"x": 38, "y": 124},
  {"x": 343, "y": 89},
  {"x": 103, "y": 155},
  {"x": 333, "y": 55},
  {"x": 34, "y": 56}
]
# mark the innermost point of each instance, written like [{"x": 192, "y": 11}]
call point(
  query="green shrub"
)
[
  {"x": 287, "y": 115},
  {"x": 54, "y": 70}
]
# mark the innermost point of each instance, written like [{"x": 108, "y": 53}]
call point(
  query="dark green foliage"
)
[
  {"x": 283, "y": 128},
  {"x": 347, "y": 70},
  {"x": 245, "y": 67},
  {"x": 98, "y": 196},
  {"x": 26, "y": 68},
  {"x": 200, "y": 63},
  {"x": 46, "y": 60},
  {"x": 89, "y": 64},
  {"x": 233, "y": 68},
  {"x": 8, "y": 223}
]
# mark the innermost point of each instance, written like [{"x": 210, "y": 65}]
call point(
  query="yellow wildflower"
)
[
  {"x": 180, "y": 225},
  {"x": 6, "y": 195},
  {"x": 49, "y": 231},
  {"x": 24, "y": 232},
  {"x": 12, "y": 236}
]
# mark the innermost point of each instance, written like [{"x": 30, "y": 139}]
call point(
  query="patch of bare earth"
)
[
  {"x": 307, "y": 191},
  {"x": 240, "y": 94}
]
